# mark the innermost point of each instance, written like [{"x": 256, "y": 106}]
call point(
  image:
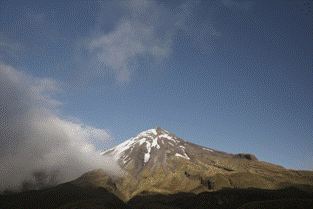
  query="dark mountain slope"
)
[
  {"x": 280, "y": 204},
  {"x": 61, "y": 195},
  {"x": 227, "y": 198}
]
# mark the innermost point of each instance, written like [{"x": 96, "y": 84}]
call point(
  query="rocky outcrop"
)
[{"x": 246, "y": 156}]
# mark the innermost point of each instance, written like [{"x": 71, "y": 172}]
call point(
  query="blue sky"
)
[{"x": 235, "y": 76}]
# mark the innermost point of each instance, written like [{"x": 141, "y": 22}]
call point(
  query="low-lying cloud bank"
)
[{"x": 33, "y": 135}]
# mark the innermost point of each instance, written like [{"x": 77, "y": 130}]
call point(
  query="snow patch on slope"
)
[
  {"x": 147, "y": 155},
  {"x": 179, "y": 155},
  {"x": 141, "y": 141},
  {"x": 155, "y": 143},
  {"x": 125, "y": 160},
  {"x": 208, "y": 149},
  {"x": 185, "y": 154},
  {"x": 168, "y": 137},
  {"x": 154, "y": 131}
]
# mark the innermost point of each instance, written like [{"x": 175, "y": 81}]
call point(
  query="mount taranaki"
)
[
  {"x": 162, "y": 170},
  {"x": 157, "y": 161}
]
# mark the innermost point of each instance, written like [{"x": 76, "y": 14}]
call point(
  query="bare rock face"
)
[{"x": 157, "y": 161}]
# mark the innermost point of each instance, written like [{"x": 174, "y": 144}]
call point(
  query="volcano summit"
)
[{"x": 154, "y": 149}]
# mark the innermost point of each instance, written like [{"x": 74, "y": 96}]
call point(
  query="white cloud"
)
[
  {"x": 147, "y": 28},
  {"x": 33, "y": 136},
  {"x": 122, "y": 46},
  {"x": 141, "y": 29}
]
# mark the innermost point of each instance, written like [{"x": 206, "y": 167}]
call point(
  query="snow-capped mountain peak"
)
[
  {"x": 153, "y": 148},
  {"x": 147, "y": 146}
]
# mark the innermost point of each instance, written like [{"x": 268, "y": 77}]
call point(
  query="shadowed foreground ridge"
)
[
  {"x": 69, "y": 196},
  {"x": 165, "y": 171}
]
